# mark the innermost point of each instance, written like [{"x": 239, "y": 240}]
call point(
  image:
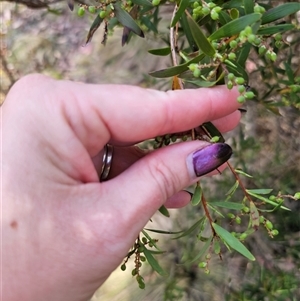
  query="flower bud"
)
[
  {"x": 202, "y": 264},
  {"x": 80, "y": 11},
  {"x": 269, "y": 225}
]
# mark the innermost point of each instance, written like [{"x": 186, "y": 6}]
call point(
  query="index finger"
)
[{"x": 130, "y": 113}]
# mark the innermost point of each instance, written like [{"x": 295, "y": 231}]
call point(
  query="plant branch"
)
[{"x": 173, "y": 44}]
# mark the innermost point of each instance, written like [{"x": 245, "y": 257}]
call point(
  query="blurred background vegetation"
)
[{"x": 51, "y": 40}]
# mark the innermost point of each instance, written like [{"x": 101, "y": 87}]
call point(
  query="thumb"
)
[{"x": 139, "y": 191}]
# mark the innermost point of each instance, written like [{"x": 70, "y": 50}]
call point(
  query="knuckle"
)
[{"x": 166, "y": 181}]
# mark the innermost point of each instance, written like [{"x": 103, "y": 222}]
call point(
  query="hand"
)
[{"x": 63, "y": 231}]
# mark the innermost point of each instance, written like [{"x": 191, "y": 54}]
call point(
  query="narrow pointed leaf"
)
[
  {"x": 228, "y": 205},
  {"x": 186, "y": 29},
  {"x": 143, "y": 3},
  {"x": 233, "y": 189},
  {"x": 233, "y": 242},
  {"x": 243, "y": 54},
  {"x": 97, "y": 22},
  {"x": 212, "y": 131},
  {"x": 160, "y": 51},
  {"x": 215, "y": 210},
  {"x": 201, "y": 83},
  {"x": 126, "y": 20},
  {"x": 280, "y": 11},
  {"x": 200, "y": 38},
  {"x": 182, "y": 6},
  {"x": 235, "y": 26},
  {"x": 266, "y": 200},
  {"x": 236, "y": 69},
  {"x": 224, "y": 17},
  {"x": 153, "y": 262},
  {"x": 197, "y": 196},
  {"x": 271, "y": 210},
  {"x": 146, "y": 21},
  {"x": 151, "y": 240},
  {"x": 261, "y": 191},
  {"x": 280, "y": 28},
  {"x": 289, "y": 72},
  {"x": 241, "y": 172},
  {"x": 192, "y": 228},
  {"x": 168, "y": 72},
  {"x": 249, "y": 6},
  {"x": 164, "y": 211},
  {"x": 202, "y": 251},
  {"x": 163, "y": 232}
]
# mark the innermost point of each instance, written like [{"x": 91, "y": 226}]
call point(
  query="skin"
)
[{"x": 63, "y": 232}]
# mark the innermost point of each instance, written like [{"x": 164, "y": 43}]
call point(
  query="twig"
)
[
  {"x": 240, "y": 182},
  {"x": 173, "y": 44},
  {"x": 6, "y": 69}
]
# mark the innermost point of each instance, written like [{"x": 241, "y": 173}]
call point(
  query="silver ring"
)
[{"x": 106, "y": 162}]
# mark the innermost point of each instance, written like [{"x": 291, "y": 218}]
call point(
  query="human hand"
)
[{"x": 63, "y": 231}]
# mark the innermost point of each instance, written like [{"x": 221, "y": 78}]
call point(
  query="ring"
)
[{"x": 106, "y": 162}]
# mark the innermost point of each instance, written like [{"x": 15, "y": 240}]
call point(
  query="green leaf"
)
[
  {"x": 215, "y": 210},
  {"x": 249, "y": 6},
  {"x": 197, "y": 196},
  {"x": 228, "y": 205},
  {"x": 280, "y": 28},
  {"x": 202, "y": 251},
  {"x": 151, "y": 240},
  {"x": 193, "y": 228},
  {"x": 289, "y": 72},
  {"x": 176, "y": 69},
  {"x": 261, "y": 191},
  {"x": 200, "y": 38},
  {"x": 164, "y": 211},
  {"x": 201, "y": 83},
  {"x": 236, "y": 69},
  {"x": 186, "y": 30},
  {"x": 209, "y": 128},
  {"x": 258, "y": 196},
  {"x": 182, "y": 6},
  {"x": 126, "y": 20},
  {"x": 163, "y": 232},
  {"x": 232, "y": 190},
  {"x": 160, "y": 51},
  {"x": 280, "y": 11},
  {"x": 97, "y": 22},
  {"x": 233, "y": 242},
  {"x": 143, "y": 3},
  {"x": 224, "y": 17},
  {"x": 146, "y": 21},
  {"x": 153, "y": 263},
  {"x": 239, "y": 171},
  {"x": 243, "y": 54},
  {"x": 235, "y": 26},
  {"x": 271, "y": 210}
]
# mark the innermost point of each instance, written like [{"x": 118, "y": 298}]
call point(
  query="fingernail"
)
[{"x": 210, "y": 157}]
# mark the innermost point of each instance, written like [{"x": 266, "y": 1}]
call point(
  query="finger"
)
[
  {"x": 129, "y": 114},
  {"x": 178, "y": 200},
  {"x": 148, "y": 183},
  {"x": 124, "y": 157},
  {"x": 227, "y": 123}
]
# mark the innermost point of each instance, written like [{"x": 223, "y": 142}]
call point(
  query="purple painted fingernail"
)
[{"x": 210, "y": 157}]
